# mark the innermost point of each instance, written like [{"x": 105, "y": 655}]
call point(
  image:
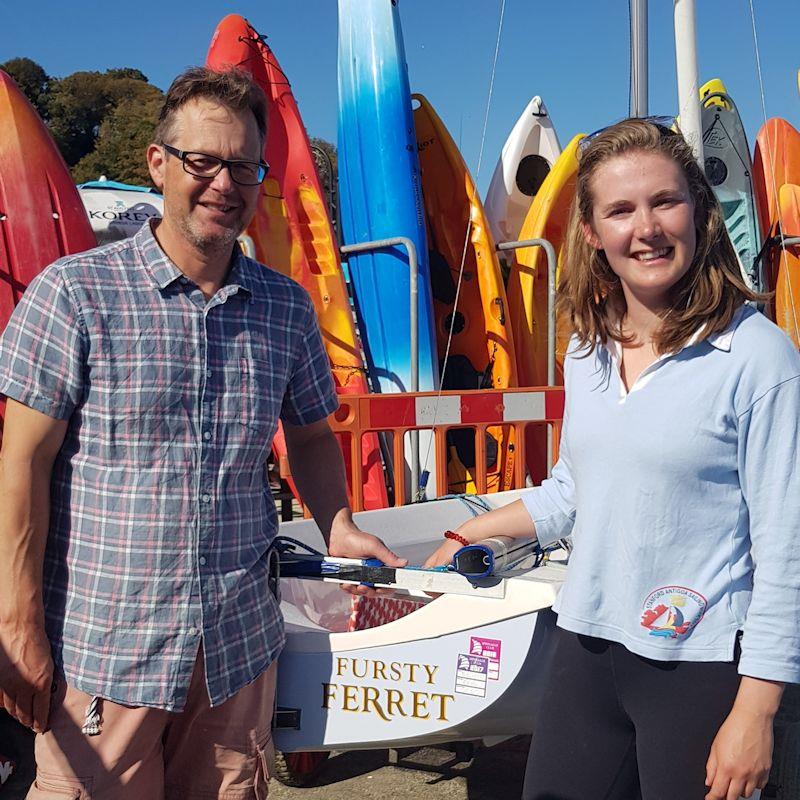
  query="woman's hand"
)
[
  {"x": 443, "y": 554},
  {"x": 741, "y": 754}
]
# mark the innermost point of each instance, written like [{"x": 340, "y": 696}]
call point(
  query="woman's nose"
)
[{"x": 647, "y": 224}]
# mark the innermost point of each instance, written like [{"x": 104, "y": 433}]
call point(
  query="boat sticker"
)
[
  {"x": 672, "y": 611},
  {"x": 489, "y": 649},
  {"x": 472, "y": 673}
]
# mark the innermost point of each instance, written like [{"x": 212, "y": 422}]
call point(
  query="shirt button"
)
[
  {"x": 184, "y": 280},
  {"x": 206, "y": 435},
  {"x": 209, "y": 373},
  {"x": 193, "y": 631},
  {"x": 206, "y": 498},
  {"x": 202, "y": 561}
]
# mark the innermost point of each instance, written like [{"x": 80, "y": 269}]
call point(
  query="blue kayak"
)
[{"x": 380, "y": 193}]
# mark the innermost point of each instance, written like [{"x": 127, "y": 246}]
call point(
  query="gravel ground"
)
[{"x": 429, "y": 773}]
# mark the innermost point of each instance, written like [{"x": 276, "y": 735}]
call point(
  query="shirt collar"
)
[
  {"x": 163, "y": 270},
  {"x": 721, "y": 340}
]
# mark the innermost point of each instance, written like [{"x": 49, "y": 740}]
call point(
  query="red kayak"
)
[
  {"x": 41, "y": 214},
  {"x": 292, "y": 232}
]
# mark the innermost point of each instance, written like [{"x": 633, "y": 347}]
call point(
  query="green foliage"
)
[
  {"x": 80, "y": 104},
  {"x": 32, "y": 80},
  {"x": 124, "y": 135}
]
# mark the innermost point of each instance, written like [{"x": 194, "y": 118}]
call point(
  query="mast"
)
[
  {"x": 688, "y": 86},
  {"x": 639, "y": 65}
]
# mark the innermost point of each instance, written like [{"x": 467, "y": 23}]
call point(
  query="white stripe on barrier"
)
[
  {"x": 448, "y": 411},
  {"x": 523, "y": 406}
]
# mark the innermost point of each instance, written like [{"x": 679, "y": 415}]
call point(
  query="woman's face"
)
[{"x": 643, "y": 218}]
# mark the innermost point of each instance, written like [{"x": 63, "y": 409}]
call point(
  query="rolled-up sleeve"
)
[
  {"x": 769, "y": 470},
  {"x": 43, "y": 348},
  {"x": 552, "y": 504}
]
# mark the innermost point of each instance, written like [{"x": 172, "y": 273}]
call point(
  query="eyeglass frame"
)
[
  {"x": 663, "y": 122},
  {"x": 223, "y": 162}
]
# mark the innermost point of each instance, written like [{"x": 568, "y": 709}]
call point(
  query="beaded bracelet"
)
[{"x": 455, "y": 537}]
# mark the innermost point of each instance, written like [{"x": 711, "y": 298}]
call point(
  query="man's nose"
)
[{"x": 223, "y": 181}]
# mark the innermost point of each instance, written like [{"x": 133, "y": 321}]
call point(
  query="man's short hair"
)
[{"x": 232, "y": 88}]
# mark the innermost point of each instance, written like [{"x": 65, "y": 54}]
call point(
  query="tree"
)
[
  {"x": 79, "y": 104},
  {"x": 125, "y": 133},
  {"x": 32, "y": 80}
]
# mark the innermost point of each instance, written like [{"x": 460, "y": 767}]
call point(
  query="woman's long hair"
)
[{"x": 590, "y": 296}]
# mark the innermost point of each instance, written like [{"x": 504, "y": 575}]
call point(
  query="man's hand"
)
[
  {"x": 349, "y": 541},
  {"x": 26, "y": 673}
]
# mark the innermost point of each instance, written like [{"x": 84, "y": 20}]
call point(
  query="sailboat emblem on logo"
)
[{"x": 672, "y": 611}]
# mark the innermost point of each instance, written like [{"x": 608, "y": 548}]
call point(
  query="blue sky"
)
[{"x": 574, "y": 53}]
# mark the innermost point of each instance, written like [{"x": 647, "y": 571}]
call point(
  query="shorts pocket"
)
[{"x": 264, "y": 767}]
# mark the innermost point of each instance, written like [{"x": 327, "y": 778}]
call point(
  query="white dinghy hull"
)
[{"x": 460, "y": 667}]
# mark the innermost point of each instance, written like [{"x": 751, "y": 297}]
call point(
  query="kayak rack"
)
[
  {"x": 413, "y": 267},
  {"x": 413, "y": 284}
]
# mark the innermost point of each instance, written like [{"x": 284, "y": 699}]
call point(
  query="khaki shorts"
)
[{"x": 150, "y": 754}]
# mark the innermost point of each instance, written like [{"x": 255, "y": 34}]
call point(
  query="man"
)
[{"x": 145, "y": 380}]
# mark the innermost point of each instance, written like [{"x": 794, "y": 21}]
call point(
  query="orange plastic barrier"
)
[{"x": 397, "y": 414}]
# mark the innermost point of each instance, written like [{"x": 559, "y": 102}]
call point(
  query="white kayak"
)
[{"x": 527, "y": 157}]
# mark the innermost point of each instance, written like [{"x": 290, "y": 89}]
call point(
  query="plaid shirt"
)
[{"x": 161, "y": 517}]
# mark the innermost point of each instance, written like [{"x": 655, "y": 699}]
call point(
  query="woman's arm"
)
[
  {"x": 741, "y": 754},
  {"x": 512, "y": 520}
]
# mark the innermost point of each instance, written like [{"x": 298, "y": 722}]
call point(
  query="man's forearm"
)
[
  {"x": 319, "y": 474},
  {"x": 24, "y": 520}
]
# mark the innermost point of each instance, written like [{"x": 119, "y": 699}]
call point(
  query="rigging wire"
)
[
  {"x": 420, "y": 489},
  {"x": 772, "y": 182}
]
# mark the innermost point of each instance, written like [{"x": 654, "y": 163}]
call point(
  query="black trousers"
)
[{"x": 611, "y": 725}]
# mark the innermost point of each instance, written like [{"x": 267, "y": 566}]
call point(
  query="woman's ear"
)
[{"x": 592, "y": 239}]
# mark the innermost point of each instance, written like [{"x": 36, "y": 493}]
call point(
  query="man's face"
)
[{"x": 208, "y": 212}]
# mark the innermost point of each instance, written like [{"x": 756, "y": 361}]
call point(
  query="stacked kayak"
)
[
  {"x": 729, "y": 169},
  {"x": 526, "y": 159},
  {"x": 776, "y": 177},
  {"x": 472, "y": 326},
  {"x": 41, "y": 214},
  {"x": 291, "y": 231},
  {"x": 527, "y": 289},
  {"x": 380, "y": 197}
]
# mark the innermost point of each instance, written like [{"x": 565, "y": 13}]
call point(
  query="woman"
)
[{"x": 678, "y": 478}]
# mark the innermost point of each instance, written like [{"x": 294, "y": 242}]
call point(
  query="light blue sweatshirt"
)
[{"x": 683, "y": 500}]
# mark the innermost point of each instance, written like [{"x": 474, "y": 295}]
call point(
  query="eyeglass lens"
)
[{"x": 203, "y": 166}]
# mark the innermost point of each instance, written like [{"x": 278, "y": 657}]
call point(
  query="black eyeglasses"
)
[
  {"x": 665, "y": 125},
  {"x": 202, "y": 165}
]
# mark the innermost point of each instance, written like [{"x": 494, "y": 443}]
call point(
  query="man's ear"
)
[
  {"x": 156, "y": 163},
  {"x": 590, "y": 236}
]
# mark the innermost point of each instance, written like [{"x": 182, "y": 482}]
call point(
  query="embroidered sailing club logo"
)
[{"x": 672, "y": 611}]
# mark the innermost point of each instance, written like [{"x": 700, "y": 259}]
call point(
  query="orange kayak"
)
[
  {"x": 785, "y": 264},
  {"x": 482, "y": 348},
  {"x": 776, "y": 161},
  {"x": 41, "y": 214},
  {"x": 291, "y": 230}
]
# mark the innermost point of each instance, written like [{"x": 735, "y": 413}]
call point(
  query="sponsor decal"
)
[
  {"x": 672, "y": 611},
  {"x": 489, "y": 649},
  {"x": 472, "y": 674}
]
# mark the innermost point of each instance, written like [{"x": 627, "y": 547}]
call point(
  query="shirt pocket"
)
[{"x": 262, "y": 390}]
